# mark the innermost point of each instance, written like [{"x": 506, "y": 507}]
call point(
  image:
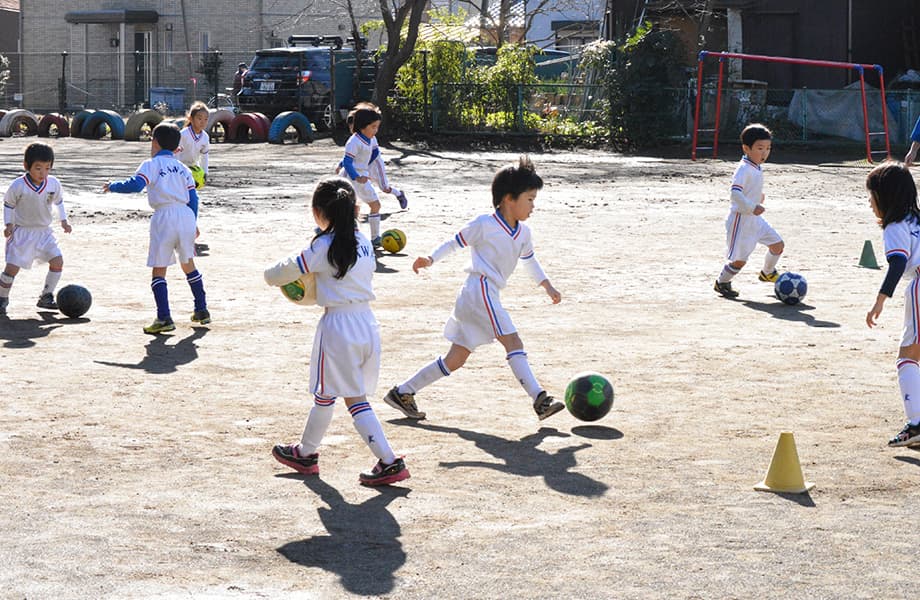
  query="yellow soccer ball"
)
[
  {"x": 393, "y": 240},
  {"x": 198, "y": 176},
  {"x": 301, "y": 291}
]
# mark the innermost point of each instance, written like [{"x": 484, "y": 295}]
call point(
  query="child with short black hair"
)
[
  {"x": 363, "y": 164},
  {"x": 27, "y": 214},
  {"x": 893, "y": 199},
  {"x": 496, "y": 241},
  {"x": 745, "y": 227},
  {"x": 171, "y": 194},
  {"x": 346, "y": 345}
]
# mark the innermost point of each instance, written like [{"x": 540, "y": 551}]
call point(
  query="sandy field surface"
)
[{"x": 137, "y": 466}]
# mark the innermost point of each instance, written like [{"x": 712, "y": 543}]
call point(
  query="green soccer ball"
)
[{"x": 589, "y": 396}]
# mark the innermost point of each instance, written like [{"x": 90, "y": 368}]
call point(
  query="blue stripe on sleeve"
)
[
  {"x": 128, "y": 186},
  {"x": 915, "y": 134},
  {"x": 349, "y": 164},
  {"x": 193, "y": 201}
]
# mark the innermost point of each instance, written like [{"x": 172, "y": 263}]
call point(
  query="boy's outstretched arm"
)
[{"x": 129, "y": 186}]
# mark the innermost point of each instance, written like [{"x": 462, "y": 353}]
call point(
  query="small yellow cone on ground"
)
[{"x": 785, "y": 473}]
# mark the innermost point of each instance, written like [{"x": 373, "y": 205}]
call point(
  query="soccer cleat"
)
[
  {"x": 201, "y": 316},
  {"x": 770, "y": 277},
  {"x": 546, "y": 406},
  {"x": 403, "y": 201},
  {"x": 405, "y": 403},
  {"x": 725, "y": 289},
  {"x": 376, "y": 242},
  {"x": 47, "y": 301},
  {"x": 287, "y": 454},
  {"x": 4, "y": 302},
  {"x": 909, "y": 436},
  {"x": 383, "y": 474},
  {"x": 160, "y": 326}
]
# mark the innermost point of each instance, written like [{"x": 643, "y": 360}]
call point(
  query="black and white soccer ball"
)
[{"x": 790, "y": 288}]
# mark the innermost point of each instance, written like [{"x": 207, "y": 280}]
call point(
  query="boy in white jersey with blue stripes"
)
[
  {"x": 893, "y": 199},
  {"x": 745, "y": 227},
  {"x": 346, "y": 346},
  {"x": 171, "y": 194},
  {"x": 496, "y": 241},
  {"x": 28, "y": 208}
]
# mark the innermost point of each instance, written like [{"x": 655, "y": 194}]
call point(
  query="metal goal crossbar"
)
[{"x": 859, "y": 68}]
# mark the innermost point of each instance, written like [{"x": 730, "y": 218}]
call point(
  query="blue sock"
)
[
  {"x": 197, "y": 285},
  {"x": 161, "y": 297}
]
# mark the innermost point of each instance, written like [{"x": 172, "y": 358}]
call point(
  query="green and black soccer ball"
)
[{"x": 589, "y": 396}]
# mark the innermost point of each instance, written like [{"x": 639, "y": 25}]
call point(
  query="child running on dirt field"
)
[
  {"x": 27, "y": 215},
  {"x": 893, "y": 198},
  {"x": 745, "y": 227},
  {"x": 195, "y": 146},
  {"x": 363, "y": 164},
  {"x": 497, "y": 241},
  {"x": 346, "y": 347},
  {"x": 171, "y": 194}
]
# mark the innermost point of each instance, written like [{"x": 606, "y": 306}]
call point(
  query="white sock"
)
[
  {"x": 769, "y": 262},
  {"x": 424, "y": 377},
  {"x": 394, "y": 190},
  {"x": 909, "y": 382},
  {"x": 371, "y": 432},
  {"x": 6, "y": 282},
  {"x": 317, "y": 424},
  {"x": 728, "y": 271},
  {"x": 374, "y": 221},
  {"x": 517, "y": 360},
  {"x": 51, "y": 281}
]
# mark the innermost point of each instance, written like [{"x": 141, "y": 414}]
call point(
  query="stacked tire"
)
[
  {"x": 18, "y": 122},
  {"x": 249, "y": 127},
  {"x": 290, "y": 120}
]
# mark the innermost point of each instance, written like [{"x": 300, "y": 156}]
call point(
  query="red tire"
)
[
  {"x": 55, "y": 120},
  {"x": 248, "y": 127}
]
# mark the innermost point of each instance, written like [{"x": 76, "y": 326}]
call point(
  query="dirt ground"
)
[{"x": 139, "y": 467}]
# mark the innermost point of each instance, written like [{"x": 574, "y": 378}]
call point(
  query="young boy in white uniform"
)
[
  {"x": 496, "y": 241},
  {"x": 28, "y": 208},
  {"x": 171, "y": 194}
]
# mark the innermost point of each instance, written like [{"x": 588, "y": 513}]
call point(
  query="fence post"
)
[
  {"x": 62, "y": 90},
  {"x": 425, "y": 114},
  {"x": 217, "y": 54},
  {"x": 519, "y": 109},
  {"x": 805, "y": 114}
]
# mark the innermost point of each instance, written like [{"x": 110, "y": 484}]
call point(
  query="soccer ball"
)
[
  {"x": 393, "y": 240},
  {"x": 589, "y": 396},
  {"x": 74, "y": 300},
  {"x": 301, "y": 291},
  {"x": 790, "y": 288},
  {"x": 198, "y": 176}
]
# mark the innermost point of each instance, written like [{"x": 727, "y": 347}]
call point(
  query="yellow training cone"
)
[{"x": 785, "y": 473}]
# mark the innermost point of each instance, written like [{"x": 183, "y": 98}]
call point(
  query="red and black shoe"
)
[
  {"x": 383, "y": 474},
  {"x": 287, "y": 454}
]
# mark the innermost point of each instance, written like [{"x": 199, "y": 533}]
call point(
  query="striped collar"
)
[
  {"x": 39, "y": 188},
  {"x": 513, "y": 232},
  {"x": 750, "y": 162},
  {"x": 195, "y": 136}
]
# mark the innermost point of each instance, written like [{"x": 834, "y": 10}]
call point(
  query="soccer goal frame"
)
[{"x": 722, "y": 56}]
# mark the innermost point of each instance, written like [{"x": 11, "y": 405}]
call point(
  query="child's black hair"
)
[
  {"x": 36, "y": 152},
  {"x": 350, "y": 119},
  {"x": 334, "y": 198},
  {"x": 515, "y": 180},
  {"x": 754, "y": 132},
  {"x": 895, "y": 192},
  {"x": 197, "y": 107},
  {"x": 364, "y": 117},
  {"x": 167, "y": 136}
]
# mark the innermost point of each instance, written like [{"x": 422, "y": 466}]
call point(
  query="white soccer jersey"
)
[
  {"x": 194, "y": 148},
  {"x": 747, "y": 187},
  {"x": 168, "y": 180},
  {"x": 360, "y": 149},
  {"x": 903, "y": 237},
  {"x": 32, "y": 204},
  {"x": 495, "y": 248},
  {"x": 355, "y": 288}
]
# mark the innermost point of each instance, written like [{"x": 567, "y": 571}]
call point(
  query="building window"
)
[
  {"x": 573, "y": 35},
  {"x": 204, "y": 41},
  {"x": 168, "y": 48}
]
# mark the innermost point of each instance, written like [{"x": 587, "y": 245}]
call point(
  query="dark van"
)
[{"x": 315, "y": 80}]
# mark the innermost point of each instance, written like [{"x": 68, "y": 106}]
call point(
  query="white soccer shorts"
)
[
  {"x": 346, "y": 352},
  {"x": 478, "y": 316},
  {"x": 172, "y": 235},
  {"x": 30, "y": 244},
  {"x": 911, "y": 333},
  {"x": 365, "y": 191},
  {"x": 744, "y": 232}
]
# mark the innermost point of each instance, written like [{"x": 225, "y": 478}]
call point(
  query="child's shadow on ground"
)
[
  {"x": 362, "y": 545},
  {"x": 22, "y": 333},
  {"x": 162, "y": 359},
  {"x": 795, "y": 312},
  {"x": 522, "y": 457}
]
